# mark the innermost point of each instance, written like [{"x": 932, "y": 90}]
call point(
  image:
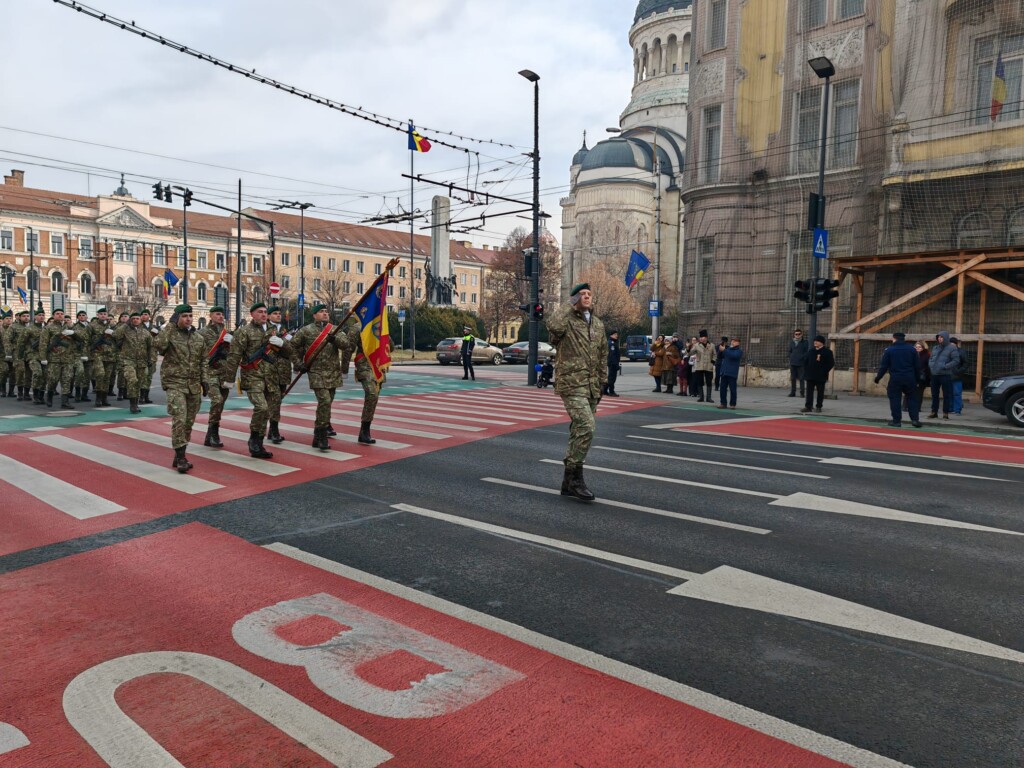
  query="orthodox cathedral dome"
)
[{"x": 646, "y": 7}]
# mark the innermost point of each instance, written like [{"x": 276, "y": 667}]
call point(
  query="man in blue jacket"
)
[
  {"x": 731, "y": 357},
  {"x": 903, "y": 365},
  {"x": 943, "y": 363}
]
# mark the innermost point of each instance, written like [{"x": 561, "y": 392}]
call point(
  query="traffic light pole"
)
[
  {"x": 813, "y": 329},
  {"x": 534, "y": 337}
]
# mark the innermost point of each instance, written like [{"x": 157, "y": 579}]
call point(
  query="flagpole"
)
[{"x": 412, "y": 246}]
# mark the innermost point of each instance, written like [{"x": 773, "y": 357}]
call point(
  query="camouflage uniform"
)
[
  {"x": 136, "y": 347},
  {"x": 59, "y": 349},
  {"x": 104, "y": 357},
  {"x": 6, "y": 359},
  {"x": 325, "y": 372},
  {"x": 364, "y": 374},
  {"x": 29, "y": 351},
  {"x": 83, "y": 364},
  {"x": 181, "y": 375},
  {"x": 252, "y": 350},
  {"x": 283, "y": 366},
  {"x": 118, "y": 372},
  {"x": 216, "y": 375},
  {"x": 580, "y": 374},
  {"x": 20, "y": 369},
  {"x": 146, "y": 382}
]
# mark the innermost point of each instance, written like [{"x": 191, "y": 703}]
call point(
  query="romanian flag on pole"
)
[
  {"x": 416, "y": 142},
  {"x": 372, "y": 314},
  {"x": 24, "y": 296},
  {"x": 998, "y": 87},
  {"x": 638, "y": 265},
  {"x": 170, "y": 280}
]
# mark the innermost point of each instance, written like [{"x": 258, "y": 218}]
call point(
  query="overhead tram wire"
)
[{"x": 392, "y": 123}]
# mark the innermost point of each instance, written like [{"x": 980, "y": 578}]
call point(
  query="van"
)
[{"x": 638, "y": 348}]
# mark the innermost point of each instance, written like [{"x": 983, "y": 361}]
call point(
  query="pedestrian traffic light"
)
[
  {"x": 824, "y": 292},
  {"x": 803, "y": 291},
  {"x": 158, "y": 191},
  {"x": 538, "y": 311}
]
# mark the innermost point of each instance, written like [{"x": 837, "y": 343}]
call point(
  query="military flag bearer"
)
[
  {"x": 316, "y": 348},
  {"x": 218, "y": 386}
]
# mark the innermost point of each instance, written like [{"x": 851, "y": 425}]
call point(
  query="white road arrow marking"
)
[
  {"x": 726, "y": 585},
  {"x": 901, "y": 468},
  {"x": 716, "y": 423},
  {"x": 899, "y": 436},
  {"x": 714, "y": 462}
]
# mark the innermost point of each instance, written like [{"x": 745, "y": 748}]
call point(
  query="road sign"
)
[
  {"x": 654, "y": 310},
  {"x": 401, "y": 315},
  {"x": 302, "y": 300},
  {"x": 274, "y": 289},
  {"x": 820, "y": 243}
]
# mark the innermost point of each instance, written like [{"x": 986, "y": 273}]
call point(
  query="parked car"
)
[
  {"x": 638, "y": 348},
  {"x": 1005, "y": 396},
  {"x": 520, "y": 352},
  {"x": 450, "y": 351}
]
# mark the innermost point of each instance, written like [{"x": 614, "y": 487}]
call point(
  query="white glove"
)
[
  {"x": 288, "y": 337},
  {"x": 67, "y": 332},
  {"x": 228, "y": 338},
  {"x": 8, "y": 358},
  {"x": 276, "y": 341},
  {"x": 109, "y": 332},
  {"x": 44, "y": 362},
  {"x": 227, "y": 384},
  {"x": 84, "y": 359},
  {"x": 154, "y": 330}
]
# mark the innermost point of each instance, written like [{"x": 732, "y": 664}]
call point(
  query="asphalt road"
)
[{"x": 859, "y": 586}]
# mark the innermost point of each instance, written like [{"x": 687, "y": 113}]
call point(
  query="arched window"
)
[
  {"x": 257, "y": 295},
  {"x": 244, "y": 296},
  {"x": 645, "y": 69},
  {"x": 119, "y": 286},
  {"x": 201, "y": 292},
  {"x": 202, "y": 323},
  {"x": 974, "y": 231},
  {"x": 7, "y": 277},
  {"x": 1015, "y": 228},
  {"x": 57, "y": 283},
  {"x": 158, "y": 289},
  {"x": 130, "y": 286},
  {"x": 85, "y": 284},
  {"x": 672, "y": 55},
  {"x": 32, "y": 278}
]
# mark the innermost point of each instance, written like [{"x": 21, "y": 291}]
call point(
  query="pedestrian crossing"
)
[{"x": 58, "y": 484}]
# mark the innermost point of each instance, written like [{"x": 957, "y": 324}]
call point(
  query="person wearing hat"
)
[
  {"x": 366, "y": 377},
  {"x": 21, "y": 373},
  {"x": 6, "y": 356},
  {"x": 146, "y": 383},
  {"x": 816, "y": 368},
  {"x": 582, "y": 371},
  {"x": 255, "y": 349},
  {"x": 57, "y": 346},
  {"x": 81, "y": 356},
  {"x": 704, "y": 357},
  {"x": 118, "y": 376},
  {"x": 315, "y": 353},
  {"x": 104, "y": 357},
  {"x": 729, "y": 360},
  {"x": 181, "y": 377},
  {"x": 136, "y": 348},
  {"x": 217, "y": 385},
  {"x": 614, "y": 364},
  {"x": 942, "y": 364},
  {"x": 29, "y": 346},
  {"x": 958, "y": 375},
  {"x": 468, "y": 344},
  {"x": 283, "y": 366},
  {"x": 903, "y": 365}
]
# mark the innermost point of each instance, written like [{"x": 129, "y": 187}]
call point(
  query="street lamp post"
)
[
  {"x": 824, "y": 69},
  {"x": 534, "y": 337},
  {"x": 301, "y": 207},
  {"x": 33, "y": 278}
]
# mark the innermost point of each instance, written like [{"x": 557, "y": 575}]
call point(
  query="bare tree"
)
[{"x": 614, "y": 304}]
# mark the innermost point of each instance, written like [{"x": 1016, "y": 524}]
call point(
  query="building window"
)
[
  {"x": 712, "y": 143},
  {"x": 32, "y": 279},
  {"x": 317, "y": 285},
  {"x": 118, "y": 251},
  {"x": 32, "y": 242},
  {"x": 462, "y": 278},
  {"x": 257, "y": 265},
  {"x": 360, "y": 289},
  {"x": 159, "y": 256},
  {"x": 130, "y": 252},
  {"x": 391, "y": 291},
  {"x": 716, "y": 25},
  {"x": 56, "y": 244},
  {"x": 201, "y": 292},
  {"x": 974, "y": 231},
  {"x": 808, "y": 129},
  {"x": 844, "y": 124},
  {"x": 704, "y": 285},
  {"x": 359, "y": 268},
  {"x": 846, "y": 9},
  {"x": 401, "y": 292},
  {"x": 181, "y": 258},
  {"x": 346, "y": 286},
  {"x": 85, "y": 247},
  {"x": 85, "y": 284},
  {"x": 119, "y": 286},
  {"x": 474, "y": 278},
  {"x": 419, "y": 273},
  {"x": 402, "y": 272},
  {"x": 56, "y": 283},
  {"x": 286, "y": 282},
  {"x": 7, "y": 239},
  {"x": 220, "y": 260},
  {"x": 419, "y": 293},
  {"x": 472, "y": 299},
  {"x": 7, "y": 277},
  {"x": 317, "y": 262},
  {"x": 1015, "y": 228},
  {"x": 130, "y": 286},
  {"x": 376, "y": 269},
  {"x": 332, "y": 287},
  {"x": 202, "y": 260},
  {"x": 462, "y": 298},
  {"x": 332, "y": 265},
  {"x": 257, "y": 294},
  {"x": 243, "y": 263},
  {"x": 346, "y": 265},
  {"x": 985, "y": 54},
  {"x": 812, "y": 14},
  {"x": 286, "y": 260}
]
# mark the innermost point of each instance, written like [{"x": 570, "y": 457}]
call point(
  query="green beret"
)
[
  {"x": 272, "y": 310},
  {"x": 216, "y": 309},
  {"x": 82, "y": 312},
  {"x": 145, "y": 312},
  {"x": 101, "y": 309},
  {"x": 257, "y": 305},
  {"x": 134, "y": 314},
  {"x": 317, "y": 308},
  {"x": 183, "y": 309},
  {"x": 23, "y": 312},
  {"x": 579, "y": 287}
]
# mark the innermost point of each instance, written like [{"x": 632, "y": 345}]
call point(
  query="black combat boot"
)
[
  {"x": 3, "y": 389},
  {"x": 213, "y": 436},
  {"x": 122, "y": 394},
  {"x": 364, "y": 433},
  {"x": 668, "y": 389},
  {"x": 274, "y": 433},
  {"x": 256, "y": 449},
  {"x": 49, "y": 398},
  {"x": 65, "y": 401},
  {"x": 578, "y": 488},
  {"x": 567, "y": 481},
  {"x": 144, "y": 397},
  {"x": 10, "y": 387},
  {"x": 316, "y": 437},
  {"x": 37, "y": 397},
  {"x": 329, "y": 430},
  {"x": 180, "y": 462},
  {"x": 133, "y": 405},
  {"x": 21, "y": 394},
  {"x": 85, "y": 396}
]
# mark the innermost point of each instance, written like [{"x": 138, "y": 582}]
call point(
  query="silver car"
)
[{"x": 450, "y": 351}]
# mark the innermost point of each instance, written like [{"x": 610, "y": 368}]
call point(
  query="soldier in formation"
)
[
  {"x": 184, "y": 367},
  {"x": 122, "y": 385},
  {"x": 21, "y": 380},
  {"x": 82, "y": 361},
  {"x": 365, "y": 376},
  {"x": 102, "y": 355},
  {"x": 316, "y": 347},
  {"x": 283, "y": 368},
  {"x": 6, "y": 355},
  {"x": 135, "y": 347},
  {"x": 147, "y": 380},
  {"x": 216, "y": 380},
  {"x": 58, "y": 347},
  {"x": 29, "y": 351}
]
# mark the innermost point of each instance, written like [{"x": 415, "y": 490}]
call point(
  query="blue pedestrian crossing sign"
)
[
  {"x": 302, "y": 300},
  {"x": 820, "y": 243}
]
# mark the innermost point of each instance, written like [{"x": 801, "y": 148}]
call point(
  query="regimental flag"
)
[
  {"x": 998, "y": 87},
  {"x": 372, "y": 314},
  {"x": 24, "y": 296},
  {"x": 638, "y": 265},
  {"x": 416, "y": 142},
  {"x": 170, "y": 280}
]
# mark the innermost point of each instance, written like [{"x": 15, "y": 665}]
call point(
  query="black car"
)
[
  {"x": 520, "y": 352},
  {"x": 1005, "y": 395}
]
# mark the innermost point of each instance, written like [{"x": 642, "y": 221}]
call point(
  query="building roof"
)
[
  {"x": 627, "y": 152},
  {"x": 581, "y": 153},
  {"x": 42, "y": 201},
  {"x": 646, "y": 8}
]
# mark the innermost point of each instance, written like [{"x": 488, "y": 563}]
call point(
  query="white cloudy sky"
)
[{"x": 448, "y": 64}]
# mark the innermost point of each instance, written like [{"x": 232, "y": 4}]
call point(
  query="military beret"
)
[
  {"x": 318, "y": 308},
  {"x": 82, "y": 312},
  {"x": 23, "y": 312},
  {"x": 183, "y": 309},
  {"x": 579, "y": 287},
  {"x": 135, "y": 314},
  {"x": 145, "y": 312},
  {"x": 40, "y": 311},
  {"x": 272, "y": 310},
  {"x": 216, "y": 309},
  {"x": 257, "y": 305},
  {"x": 101, "y": 309}
]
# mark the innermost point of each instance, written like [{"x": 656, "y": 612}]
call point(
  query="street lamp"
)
[
  {"x": 301, "y": 207},
  {"x": 33, "y": 278},
  {"x": 656, "y": 320},
  {"x": 534, "y": 337},
  {"x": 825, "y": 70}
]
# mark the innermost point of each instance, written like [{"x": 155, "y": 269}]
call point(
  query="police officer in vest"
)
[{"x": 468, "y": 343}]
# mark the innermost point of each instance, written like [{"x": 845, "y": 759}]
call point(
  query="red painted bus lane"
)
[{"x": 194, "y": 644}]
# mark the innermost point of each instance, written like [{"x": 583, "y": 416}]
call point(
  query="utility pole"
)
[
  {"x": 301, "y": 207},
  {"x": 824, "y": 69},
  {"x": 534, "y": 335}
]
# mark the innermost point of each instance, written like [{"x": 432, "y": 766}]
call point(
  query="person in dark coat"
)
[
  {"x": 943, "y": 363},
  {"x": 730, "y": 357},
  {"x": 614, "y": 364},
  {"x": 958, "y": 376},
  {"x": 817, "y": 367},
  {"x": 903, "y": 365},
  {"x": 468, "y": 343},
  {"x": 798, "y": 350}
]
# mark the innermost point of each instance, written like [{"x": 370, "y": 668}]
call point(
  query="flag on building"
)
[
  {"x": 372, "y": 314},
  {"x": 170, "y": 280},
  {"x": 638, "y": 265},
  {"x": 416, "y": 142},
  {"x": 24, "y": 296},
  {"x": 998, "y": 87}
]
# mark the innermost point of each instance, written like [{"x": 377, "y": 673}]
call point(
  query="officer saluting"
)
[
  {"x": 181, "y": 377},
  {"x": 903, "y": 365}
]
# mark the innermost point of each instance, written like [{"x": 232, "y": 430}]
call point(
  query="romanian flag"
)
[
  {"x": 638, "y": 265},
  {"x": 416, "y": 142},
  {"x": 372, "y": 314},
  {"x": 170, "y": 280},
  {"x": 998, "y": 88},
  {"x": 24, "y": 296}
]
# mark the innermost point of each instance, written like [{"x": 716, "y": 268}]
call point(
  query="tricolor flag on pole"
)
[
  {"x": 416, "y": 142},
  {"x": 170, "y": 280},
  {"x": 372, "y": 314},
  {"x": 638, "y": 264},
  {"x": 24, "y": 296},
  {"x": 998, "y": 87}
]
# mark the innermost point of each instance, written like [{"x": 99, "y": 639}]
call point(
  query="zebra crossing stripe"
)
[
  {"x": 215, "y": 454},
  {"x": 479, "y": 411},
  {"x": 160, "y": 474},
  {"x": 290, "y": 447},
  {"x": 356, "y": 408},
  {"x": 62, "y": 496},
  {"x": 305, "y": 433},
  {"x": 376, "y": 427}
]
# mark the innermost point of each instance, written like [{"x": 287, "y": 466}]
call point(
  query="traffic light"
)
[
  {"x": 524, "y": 308},
  {"x": 824, "y": 292},
  {"x": 538, "y": 311},
  {"x": 528, "y": 262},
  {"x": 168, "y": 196},
  {"x": 158, "y": 191},
  {"x": 187, "y": 195},
  {"x": 803, "y": 291}
]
